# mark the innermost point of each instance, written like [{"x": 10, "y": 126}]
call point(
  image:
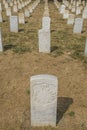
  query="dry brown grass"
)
[{"x": 21, "y": 59}]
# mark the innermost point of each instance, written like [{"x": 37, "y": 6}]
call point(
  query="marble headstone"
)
[
  {"x": 84, "y": 14},
  {"x": 21, "y": 18},
  {"x": 78, "y": 25},
  {"x": 43, "y": 89},
  {"x": 1, "y": 18},
  {"x": 46, "y": 23},
  {"x": 14, "y": 23},
  {"x": 85, "y": 52},
  {"x": 44, "y": 41},
  {"x": 71, "y": 19},
  {"x": 1, "y": 46}
]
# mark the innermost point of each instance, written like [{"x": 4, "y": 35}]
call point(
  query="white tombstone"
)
[
  {"x": 15, "y": 8},
  {"x": 11, "y": 4},
  {"x": 0, "y": 7},
  {"x": 78, "y": 11},
  {"x": 62, "y": 9},
  {"x": 44, "y": 41},
  {"x": 85, "y": 52},
  {"x": 43, "y": 94},
  {"x": 8, "y": 11},
  {"x": 1, "y": 18},
  {"x": 66, "y": 14},
  {"x": 27, "y": 14},
  {"x": 71, "y": 19},
  {"x": 46, "y": 23},
  {"x": 84, "y": 15},
  {"x": 78, "y": 25},
  {"x": 21, "y": 18},
  {"x": 6, "y": 5},
  {"x": 1, "y": 46},
  {"x": 19, "y": 6},
  {"x": 73, "y": 9},
  {"x": 14, "y": 23}
]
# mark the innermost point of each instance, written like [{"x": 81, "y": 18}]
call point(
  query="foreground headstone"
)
[
  {"x": 1, "y": 46},
  {"x": 78, "y": 25},
  {"x": 14, "y": 23},
  {"x": 85, "y": 52},
  {"x": 43, "y": 100},
  {"x": 44, "y": 41}
]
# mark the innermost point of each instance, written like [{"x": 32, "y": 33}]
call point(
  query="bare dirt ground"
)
[{"x": 20, "y": 60}]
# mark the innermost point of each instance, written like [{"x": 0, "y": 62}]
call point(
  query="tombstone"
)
[
  {"x": 1, "y": 18},
  {"x": 78, "y": 11},
  {"x": 66, "y": 14},
  {"x": 44, "y": 41},
  {"x": 1, "y": 46},
  {"x": 30, "y": 10},
  {"x": 27, "y": 14},
  {"x": 85, "y": 52},
  {"x": 14, "y": 23},
  {"x": 15, "y": 2},
  {"x": 74, "y": 3},
  {"x": 0, "y": 7},
  {"x": 66, "y": 3},
  {"x": 11, "y": 4},
  {"x": 15, "y": 8},
  {"x": 78, "y": 25},
  {"x": 19, "y": 6},
  {"x": 73, "y": 9},
  {"x": 62, "y": 9},
  {"x": 9, "y": 1},
  {"x": 84, "y": 15},
  {"x": 6, "y": 5},
  {"x": 71, "y": 19},
  {"x": 21, "y": 18},
  {"x": 8, "y": 11},
  {"x": 43, "y": 90},
  {"x": 70, "y": 6},
  {"x": 81, "y": 7},
  {"x": 46, "y": 23}
]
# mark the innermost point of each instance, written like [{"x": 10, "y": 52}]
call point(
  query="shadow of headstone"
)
[
  {"x": 53, "y": 48},
  {"x": 8, "y": 46},
  {"x": 62, "y": 106}
]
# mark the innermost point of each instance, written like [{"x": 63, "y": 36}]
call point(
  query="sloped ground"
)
[{"x": 21, "y": 60}]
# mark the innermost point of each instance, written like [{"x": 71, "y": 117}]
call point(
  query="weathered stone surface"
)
[
  {"x": 66, "y": 14},
  {"x": 14, "y": 23},
  {"x": 8, "y": 11},
  {"x": 85, "y": 52},
  {"x": 1, "y": 17},
  {"x": 46, "y": 23},
  {"x": 21, "y": 18},
  {"x": 43, "y": 100},
  {"x": 71, "y": 19},
  {"x": 78, "y": 25},
  {"x": 62, "y": 9},
  {"x": 1, "y": 46},
  {"x": 44, "y": 41}
]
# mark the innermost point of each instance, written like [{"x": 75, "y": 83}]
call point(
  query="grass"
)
[
  {"x": 72, "y": 113},
  {"x": 21, "y": 49}
]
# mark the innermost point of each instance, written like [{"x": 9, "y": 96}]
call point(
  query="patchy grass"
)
[
  {"x": 21, "y": 49},
  {"x": 72, "y": 113}
]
